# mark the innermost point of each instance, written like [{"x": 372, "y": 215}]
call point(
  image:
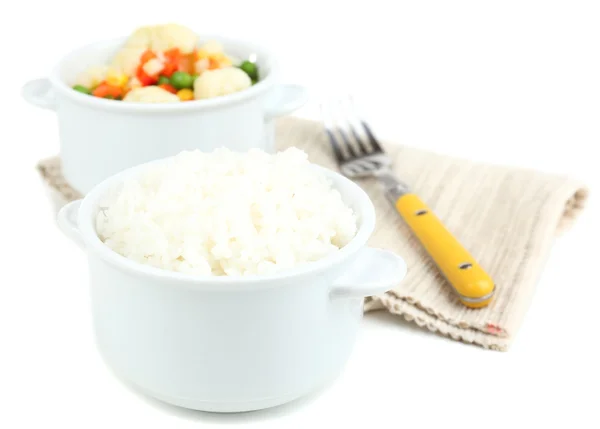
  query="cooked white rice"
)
[{"x": 227, "y": 213}]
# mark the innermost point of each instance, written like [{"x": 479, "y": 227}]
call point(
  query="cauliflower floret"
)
[
  {"x": 141, "y": 38},
  {"x": 163, "y": 37},
  {"x": 157, "y": 38},
  {"x": 213, "y": 83},
  {"x": 151, "y": 94},
  {"x": 174, "y": 36},
  {"x": 128, "y": 59},
  {"x": 92, "y": 77},
  {"x": 211, "y": 47},
  {"x": 202, "y": 65}
]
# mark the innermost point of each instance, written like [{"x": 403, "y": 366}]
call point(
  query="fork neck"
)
[{"x": 393, "y": 187}]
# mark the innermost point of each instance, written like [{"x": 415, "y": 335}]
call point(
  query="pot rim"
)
[
  {"x": 263, "y": 85},
  {"x": 364, "y": 209}
]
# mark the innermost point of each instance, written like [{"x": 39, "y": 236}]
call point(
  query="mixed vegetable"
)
[{"x": 164, "y": 64}]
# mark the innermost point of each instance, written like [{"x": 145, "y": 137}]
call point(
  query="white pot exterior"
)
[
  {"x": 231, "y": 344},
  {"x": 95, "y": 144},
  {"x": 222, "y": 351},
  {"x": 99, "y": 138}
]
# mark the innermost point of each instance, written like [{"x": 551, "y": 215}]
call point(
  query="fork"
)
[{"x": 360, "y": 155}]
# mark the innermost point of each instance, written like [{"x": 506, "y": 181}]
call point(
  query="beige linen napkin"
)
[{"x": 506, "y": 217}]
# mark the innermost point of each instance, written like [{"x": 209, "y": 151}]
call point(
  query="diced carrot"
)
[
  {"x": 172, "y": 58},
  {"x": 213, "y": 63},
  {"x": 186, "y": 63},
  {"x": 170, "y": 68},
  {"x": 147, "y": 56},
  {"x": 100, "y": 91},
  {"x": 172, "y": 54},
  {"x": 168, "y": 87},
  {"x": 104, "y": 89},
  {"x": 144, "y": 79}
]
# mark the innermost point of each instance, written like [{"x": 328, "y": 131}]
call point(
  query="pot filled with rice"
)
[{"x": 229, "y": 281}]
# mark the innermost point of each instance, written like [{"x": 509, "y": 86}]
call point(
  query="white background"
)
[{"x": 513, "y": 82}]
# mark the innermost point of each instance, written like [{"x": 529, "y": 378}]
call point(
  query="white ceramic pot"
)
[
  {"x": 230, "y": 344},
  {"x": 99, "y": 138}
]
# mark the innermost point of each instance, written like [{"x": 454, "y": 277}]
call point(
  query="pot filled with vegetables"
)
[{"x": 162, "y": 90}]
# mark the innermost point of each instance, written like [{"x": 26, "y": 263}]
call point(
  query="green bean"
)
[{"x": 82, "y": 89}]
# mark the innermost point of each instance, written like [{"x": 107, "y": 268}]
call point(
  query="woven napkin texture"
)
[{"x": 506, "y": 217}]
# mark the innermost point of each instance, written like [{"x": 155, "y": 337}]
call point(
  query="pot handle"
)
[
  {"x": 67, "y": 222},
  {"x": 377, "y": 272},
  {"x": 284, "y": 100},
  {"x": 39, "y": 93}
]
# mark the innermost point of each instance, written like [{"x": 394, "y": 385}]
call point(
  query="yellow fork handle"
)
[{"x": 473, "y": 285}]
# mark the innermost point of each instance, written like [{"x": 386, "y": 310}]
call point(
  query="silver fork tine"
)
[
  {"x": 349, "y": 147},
  {"x": 362, "y": 144},
  {"x": 372, "y": 140},
  {"x": 340, "y": 119},
  {"x": 329, "y": 128},
  {"x": 353, "y": 118},
  {"x": 376, "y": 147}
]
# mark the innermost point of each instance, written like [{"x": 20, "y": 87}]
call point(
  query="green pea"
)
[
  {"x": 181, "y": 80},
  {"x": 163, "y": 80},
  {"x": 250, "y": 68},
  {"x": 82, "y": 89}
]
